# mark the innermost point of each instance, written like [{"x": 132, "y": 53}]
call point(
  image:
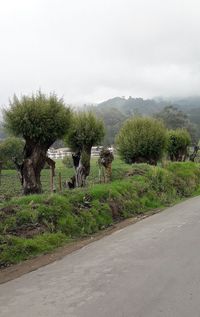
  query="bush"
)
[
  {"x": 24, "y": 217},
  {"x": 177, "y": 144},
  {"x": 11, "y": 148},
  {"x": 69, "y": 225},
  {"x": 141, "y": 140}
]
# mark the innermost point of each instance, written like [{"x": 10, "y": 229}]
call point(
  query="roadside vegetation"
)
[
  {"x": 36, "y": 224},
  {"x": 85, "y": 194}
]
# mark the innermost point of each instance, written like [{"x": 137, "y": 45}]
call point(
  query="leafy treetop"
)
[
  {"x": 86, "y": 130},
  {"x": 39, "y": 118},
  {"x": 141, "y": 139}
]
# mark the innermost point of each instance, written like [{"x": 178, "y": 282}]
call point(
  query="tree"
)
[
  {"x": 11, "y": 148},
  {"x": 40, "y": 120},
  {"x": 86, "y": 131},
  {"x": 177, "y": 144},
  {"x": 141, "y": 139},
  {"x": 105, "y": 164},
  {"x": 174, "y": 118}
]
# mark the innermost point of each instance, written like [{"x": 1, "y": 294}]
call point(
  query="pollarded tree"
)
[
  {"x": 40, "y": 120},
  {"x": 141, "y": 139},
  {"x": 86, "y": 131},
  {"x": 177, "y": 144}
]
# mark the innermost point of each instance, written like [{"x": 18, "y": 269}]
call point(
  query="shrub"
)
[
  {"x": 141, "y": 140},
  {"x": 11, "y": 148},
  {"x": 26, "y": 217},
  {"x": 177, "y": 144},
  {"x": 69, "y": 225}
]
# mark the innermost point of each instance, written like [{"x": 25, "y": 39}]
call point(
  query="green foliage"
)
[
  {"x": 2, "y": 132},
  {"x": 177, "y": 143},
  {"x": 86, "y": 130},
  {"x": 69, "y": 225},
  {"x": 174, "y": 118},
  {"x": 10, "y": 185},
  {"x": 11, "y": 148},
  {"x": 39, "y": 118},
  {"x": 141, "y": 140},
  {"x": 24, "y": 217},
  {"x": 15, "y": 249},
  {"x": 85, "y": 211},
  {"x": 186, "y": 177}
]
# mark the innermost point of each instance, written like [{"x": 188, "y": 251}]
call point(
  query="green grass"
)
[
  {"x": 10, "y": 183},
  {"x": 36, "y": 224}
]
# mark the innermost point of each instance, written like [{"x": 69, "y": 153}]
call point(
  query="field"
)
[{"x": 10, "y": 184}]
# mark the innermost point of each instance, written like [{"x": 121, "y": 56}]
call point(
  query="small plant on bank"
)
[{"x": 177, "y": 144}]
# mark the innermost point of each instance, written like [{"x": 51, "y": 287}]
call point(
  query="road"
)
[{"x": 148, "y": 269}]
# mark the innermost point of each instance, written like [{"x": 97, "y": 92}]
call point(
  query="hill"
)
[
  {"x": 116, "y": 110},
  {"x": 133, "y": 106}
]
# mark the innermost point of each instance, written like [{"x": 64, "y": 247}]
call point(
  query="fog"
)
[{"x": 88, "y": 51}]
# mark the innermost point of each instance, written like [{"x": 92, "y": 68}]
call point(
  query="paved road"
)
[{"x": 149, "y": 269}]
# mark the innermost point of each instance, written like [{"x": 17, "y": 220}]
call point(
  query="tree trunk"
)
[
  {"x": 82, "y": 166},
  {"x": 30, "y": 169}
]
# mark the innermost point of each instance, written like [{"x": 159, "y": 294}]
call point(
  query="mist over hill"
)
[
  {"x": 149, "y": 106},
  {"x": 116, "y": 110}
]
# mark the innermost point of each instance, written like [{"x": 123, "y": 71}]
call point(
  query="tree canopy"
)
[
  {"x": 39, "y": 118},
  {"x": 141, "y": 139},
  {"x": 86, "y": 130},
  {"x": 174, "y": 118}
]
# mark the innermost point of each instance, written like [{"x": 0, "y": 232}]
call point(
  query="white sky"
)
[{"x": 91, "y": 50}]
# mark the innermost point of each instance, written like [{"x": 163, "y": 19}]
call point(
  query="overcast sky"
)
[{"x": 92, "y": 50}]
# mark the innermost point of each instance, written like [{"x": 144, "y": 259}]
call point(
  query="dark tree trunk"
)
[
  {"x": 82, "y": 166},
  {"x": 31, "y": 167},
  {"x": 34, "y": 161}
]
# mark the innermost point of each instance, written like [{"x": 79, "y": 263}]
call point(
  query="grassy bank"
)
[{"x": 38, "y": 224}]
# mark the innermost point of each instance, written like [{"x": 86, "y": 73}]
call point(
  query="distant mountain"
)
[
  {"x": 133, "y": 106},
  {"x": 116, "y": 110},
  {"x": 187, "y": 103},
  {"x": 149, "y": 106}
]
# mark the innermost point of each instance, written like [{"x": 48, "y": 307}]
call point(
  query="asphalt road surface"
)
[{"x": 148, "y": 269}]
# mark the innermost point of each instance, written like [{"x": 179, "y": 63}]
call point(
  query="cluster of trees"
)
[
  {"x": 174, "y": 118},
  {"x": 184, "y": 113},
  {"x": 147, "y": 140},
  {"x": 40, "y": 120}
]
